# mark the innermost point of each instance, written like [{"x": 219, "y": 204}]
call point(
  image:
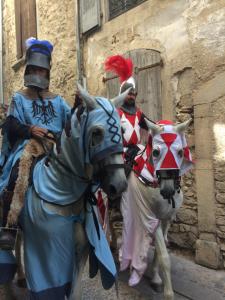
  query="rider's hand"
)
[
  {"x": 38, "y": 131},
  {"x": 123, "y": 128}
]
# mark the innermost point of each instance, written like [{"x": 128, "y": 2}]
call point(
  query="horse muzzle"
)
[
  {"x": 116, "y": 191},
  {"x": 114, "y": 182},
  {"x": 167, "y": 189},
  {"x": 111, "y": 175},
  {"x": 168, "y": 182}
]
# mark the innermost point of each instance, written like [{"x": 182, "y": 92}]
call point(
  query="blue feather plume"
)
[{"x": 33, "y": 41}]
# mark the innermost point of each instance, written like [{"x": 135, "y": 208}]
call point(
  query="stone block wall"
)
[
  {"x": 219, "y": 173},
  {"x": 12, "y": 80},
  {"x": 184, "y": 230},
  {"x": 56, "y": 23}
]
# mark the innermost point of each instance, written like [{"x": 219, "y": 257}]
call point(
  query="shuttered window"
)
[
  {"x": 89, "y": 15},
  {"x": 26, "y": 23},
  {"x": 117, "y": 7},
  {"x": 147, "y": 68}
]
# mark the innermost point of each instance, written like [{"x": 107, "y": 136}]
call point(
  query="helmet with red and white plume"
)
[{"x": 123, "y": 67}]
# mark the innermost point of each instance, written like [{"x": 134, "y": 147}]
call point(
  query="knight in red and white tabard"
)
[
  {"x": 132, "y": 118},
  {"x": 132, "y": 121},
  {"x": 135, "y": 245}
]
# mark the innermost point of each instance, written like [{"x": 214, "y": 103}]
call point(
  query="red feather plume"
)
[{"x": 123, "y": 67}]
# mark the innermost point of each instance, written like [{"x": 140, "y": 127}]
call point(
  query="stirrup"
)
[{"x": 8, "y": 237}]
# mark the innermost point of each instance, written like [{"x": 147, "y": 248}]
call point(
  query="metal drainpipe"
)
[
  {"x": 1, "y": 64},
  {"x": 79, "y": 47}
]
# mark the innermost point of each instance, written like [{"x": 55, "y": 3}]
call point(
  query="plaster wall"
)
[{"x": 56, "y": 23}]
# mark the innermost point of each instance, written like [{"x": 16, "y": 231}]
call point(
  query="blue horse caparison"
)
[{"x": 55, "y": 205}]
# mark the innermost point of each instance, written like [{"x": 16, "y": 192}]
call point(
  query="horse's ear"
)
[
  {"x": 153, "y": 127},
  {"x": 88, "y": 99},
  {"x": 183, "y": 126},
  {"x": 119, "y": 100}
]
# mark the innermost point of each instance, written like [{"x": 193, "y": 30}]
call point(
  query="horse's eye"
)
[
  {"x": 156, "y": 153},
  {"x": 97, "y": 136},
  {"x": 180, "y": 152}
]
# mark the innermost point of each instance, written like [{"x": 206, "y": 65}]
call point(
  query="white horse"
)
[
  {"x": 149, "y": 209},
  {"x": 59, "y": 219}
]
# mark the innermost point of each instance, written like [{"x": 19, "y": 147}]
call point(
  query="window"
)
[
  {"x": 90, "y": 15},
  {"x": 117, "y": 7},
  {"x": 26, "y": 23}
]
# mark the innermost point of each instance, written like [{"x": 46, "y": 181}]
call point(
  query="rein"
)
[
  {"x": 151, "y": 184},
  {"x": 114, "y": 166},
  {"x": 92, "y": 200},
  {"x": 50, "y": 154},
  {"x": 171, "y": 200},
  {"x": 84, "y": 179},
  {"x": 131, "y": 154}
]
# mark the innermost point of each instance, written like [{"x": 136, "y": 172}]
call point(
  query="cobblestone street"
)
[
  {"x": 92, "y": 290},
  {"x": 190, "y": 281}
]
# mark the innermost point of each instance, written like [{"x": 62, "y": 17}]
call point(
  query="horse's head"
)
[
  {"x": 101, "y": 142},
  {"x": 171, "y": 157}
]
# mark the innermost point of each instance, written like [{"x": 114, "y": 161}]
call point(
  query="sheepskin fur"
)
[{"x": 33, "y": 149}]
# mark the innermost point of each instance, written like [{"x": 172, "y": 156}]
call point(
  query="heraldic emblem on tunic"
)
[{"x": 44, "y": 112}]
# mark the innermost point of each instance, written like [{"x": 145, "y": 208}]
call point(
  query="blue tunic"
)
[{"x": 51, "y": 114}]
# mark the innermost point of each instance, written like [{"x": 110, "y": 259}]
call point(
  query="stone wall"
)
[
  {"x": 184, "y": 230},
  {"x": 56, "y": 23},
  {"x": 11, "y": 80},
  {"x": 219, "y": 166}
]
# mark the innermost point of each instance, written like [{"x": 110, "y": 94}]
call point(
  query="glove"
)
[
  {"x": 131, "y": 153},
  {"x": 123, "y": 128}
]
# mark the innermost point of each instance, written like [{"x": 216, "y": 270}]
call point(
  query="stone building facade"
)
[{"x": 189, "y": 37}]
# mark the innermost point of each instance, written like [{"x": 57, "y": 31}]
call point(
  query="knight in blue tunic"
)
[{"x": 33, "y": 113}]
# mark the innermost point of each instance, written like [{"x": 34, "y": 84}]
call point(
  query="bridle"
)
[
  {"x": 116, "y": 138},
  {"x": 166, "y": 175},
  {"x": 103, "y": 168},
  {"x": 101, "y": 165}
]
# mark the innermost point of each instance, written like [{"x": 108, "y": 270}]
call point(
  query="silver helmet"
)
[{"x": 129, "y": 83}]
